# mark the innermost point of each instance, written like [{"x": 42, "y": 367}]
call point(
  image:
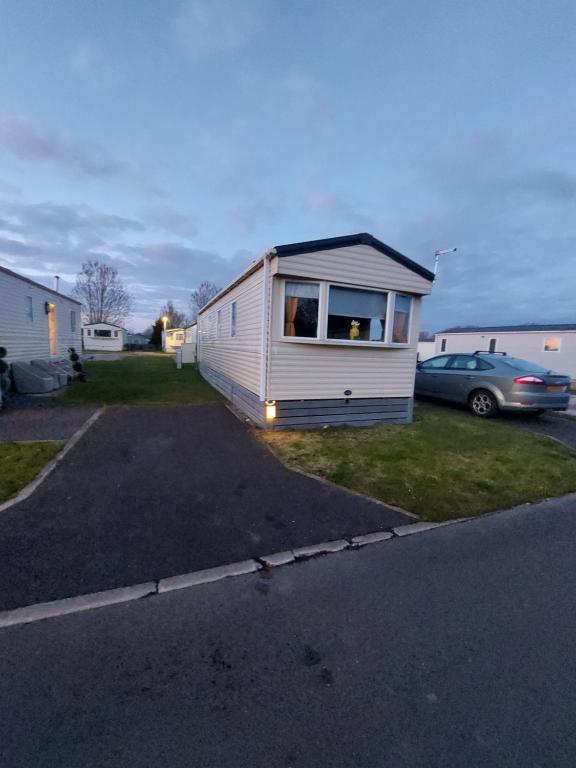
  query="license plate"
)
[{"x": 556, "y": 388}]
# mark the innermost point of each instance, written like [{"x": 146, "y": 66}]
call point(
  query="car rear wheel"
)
[{"x": 483, "y": 403}]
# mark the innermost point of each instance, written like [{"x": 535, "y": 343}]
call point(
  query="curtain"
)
[
  {"x": 290, "y": 315},
  {"x": 400, "y": 328}
]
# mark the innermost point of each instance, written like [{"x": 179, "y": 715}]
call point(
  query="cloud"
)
[
  {"x": 74, "y": 158},
  {"x": 59, "y": 224},
  {"x": 169, "y": 220},
  {"x": 514, "y": 224},
  {"x": 212, "y": 27},
  {"x": 44, "y": 239},
  {"x": 250, "y": 215},
  {"x": 338, "y": 211}
]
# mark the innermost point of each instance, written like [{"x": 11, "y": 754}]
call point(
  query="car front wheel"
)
[{"x": 483, "y": 403}]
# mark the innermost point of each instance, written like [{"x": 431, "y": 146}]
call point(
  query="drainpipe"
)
[{"x": 265, "y": 348}]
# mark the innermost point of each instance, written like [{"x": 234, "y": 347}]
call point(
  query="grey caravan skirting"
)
[
  {"x": 310, "y": 414},
  {"x": 242, "y": 398}
]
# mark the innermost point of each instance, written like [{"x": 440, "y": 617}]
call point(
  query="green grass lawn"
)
[
  {"x": 445, "y": 465},
  {"x": 139, "y": 380},
  {"x": 21, "y": 462}
]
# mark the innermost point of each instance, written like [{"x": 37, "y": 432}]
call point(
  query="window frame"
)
[
  {"x": 219, "y": 323},
  {"x": 323, "y": 306},
  {"x": 102, "y": 333},
  {"x": 395, "y": 295},
  {"x": 233, "y": 318},
  {"x": 423, "y": 367},
  {"x": 482, "y": 363},
  {"x": 73, "y": 321},
  {"x": 30, "y": 308},
  {"x": 321, "y": 301}
]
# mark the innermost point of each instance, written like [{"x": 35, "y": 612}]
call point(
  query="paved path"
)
[
  {"x": 444, "y": 649},
  {"x": 159, "y": 491},
  {"x": 42, "y": 423}
]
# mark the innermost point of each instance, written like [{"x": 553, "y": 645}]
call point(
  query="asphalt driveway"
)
[{"x": 153, "y": 492}]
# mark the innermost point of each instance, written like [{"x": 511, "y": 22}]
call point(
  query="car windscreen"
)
[{"x": 523, "y": 365}]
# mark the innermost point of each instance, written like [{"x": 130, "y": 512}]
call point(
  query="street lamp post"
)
[
  {"x": 165, "y": 320},
  {"x": 437, "y": 255}
]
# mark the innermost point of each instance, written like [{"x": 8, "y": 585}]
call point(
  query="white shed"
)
[
  {"x": 318, "y": 333},
  {"x": 553, "y": 346},
  {"x": 103, "y": 337},
  {"x": 35, "y": 321}
]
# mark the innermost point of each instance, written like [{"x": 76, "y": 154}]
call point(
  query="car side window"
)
[
  {"x": 435, "y": 363},
  {"x": 469, "y": 363}
]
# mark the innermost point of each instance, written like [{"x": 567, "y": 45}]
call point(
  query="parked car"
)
[{"x": 492, "y": 381}]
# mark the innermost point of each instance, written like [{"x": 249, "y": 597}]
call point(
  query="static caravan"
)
[
  {"x": 190, "y": 343},
  {"x": 103, "y": 337},
  {"x": 426, "y": 349},
  {"x": 136, "y": 340},
  {"x": 35, "y": 321},
  {"x": 318, "y": 333},
  {"x": 552, "y": 346},
  {"x": 173, "y": 339}
]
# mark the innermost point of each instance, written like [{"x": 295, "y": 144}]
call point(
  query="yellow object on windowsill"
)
[{"x": 354, "y": 329}]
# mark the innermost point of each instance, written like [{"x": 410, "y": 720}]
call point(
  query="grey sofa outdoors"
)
[
  {"x": 47, "y": 368},
  {"x": 29, "y": 380}
]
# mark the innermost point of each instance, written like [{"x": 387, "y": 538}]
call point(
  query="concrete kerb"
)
[
  {"x": 29, "y": 489},
  {"x": 39, "y": 611}
]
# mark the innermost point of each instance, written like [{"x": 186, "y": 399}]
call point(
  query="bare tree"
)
[
  {"x": 201, "y": 296},
  {"x": 102, "y": 293},
  {"x": 176, "y": 318}
]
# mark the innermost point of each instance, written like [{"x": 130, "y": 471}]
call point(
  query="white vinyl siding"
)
[
  {"x": 359, "y": 265},
  {"x": 237, "y": 357},
  {"x": 25, "y": 338}
]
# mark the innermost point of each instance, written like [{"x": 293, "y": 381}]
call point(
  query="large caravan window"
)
[
  {"x": 72, "y": 321},
  {"x": 29, "y": 309},
  {"x": 301, "y": 309},
  {"x": 401, "y": 326},
  {"x": 356, "y": 315},
  {"x": 233, "y": 319},
  {"x": 103, "y": 333}
]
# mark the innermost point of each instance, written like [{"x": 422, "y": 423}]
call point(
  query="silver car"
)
[{"x": 492, "y": 381}]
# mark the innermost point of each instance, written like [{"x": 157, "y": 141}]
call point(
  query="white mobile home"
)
[
  {"x": 190, "y": 343},
  {"x": 173, "y": 339},
  {"x": 35, "y": 321},
  {"x": 426, "y": 349},
  {"x": 553, "y": 346},
  {"x": 103, "y": 337},
  {"x": 318, "y": 333}
]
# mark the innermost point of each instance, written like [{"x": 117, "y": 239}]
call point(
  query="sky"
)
[{"x": 180, "y": 139}]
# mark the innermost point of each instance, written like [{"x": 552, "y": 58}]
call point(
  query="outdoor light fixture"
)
[
  {"x": 47, "y": 307},
  {"x": 270, "y": 410}
]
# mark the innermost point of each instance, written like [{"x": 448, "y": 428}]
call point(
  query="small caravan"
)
[
  {"x": 318, "y": 333},
  {"x": 103, "y": 337}
]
